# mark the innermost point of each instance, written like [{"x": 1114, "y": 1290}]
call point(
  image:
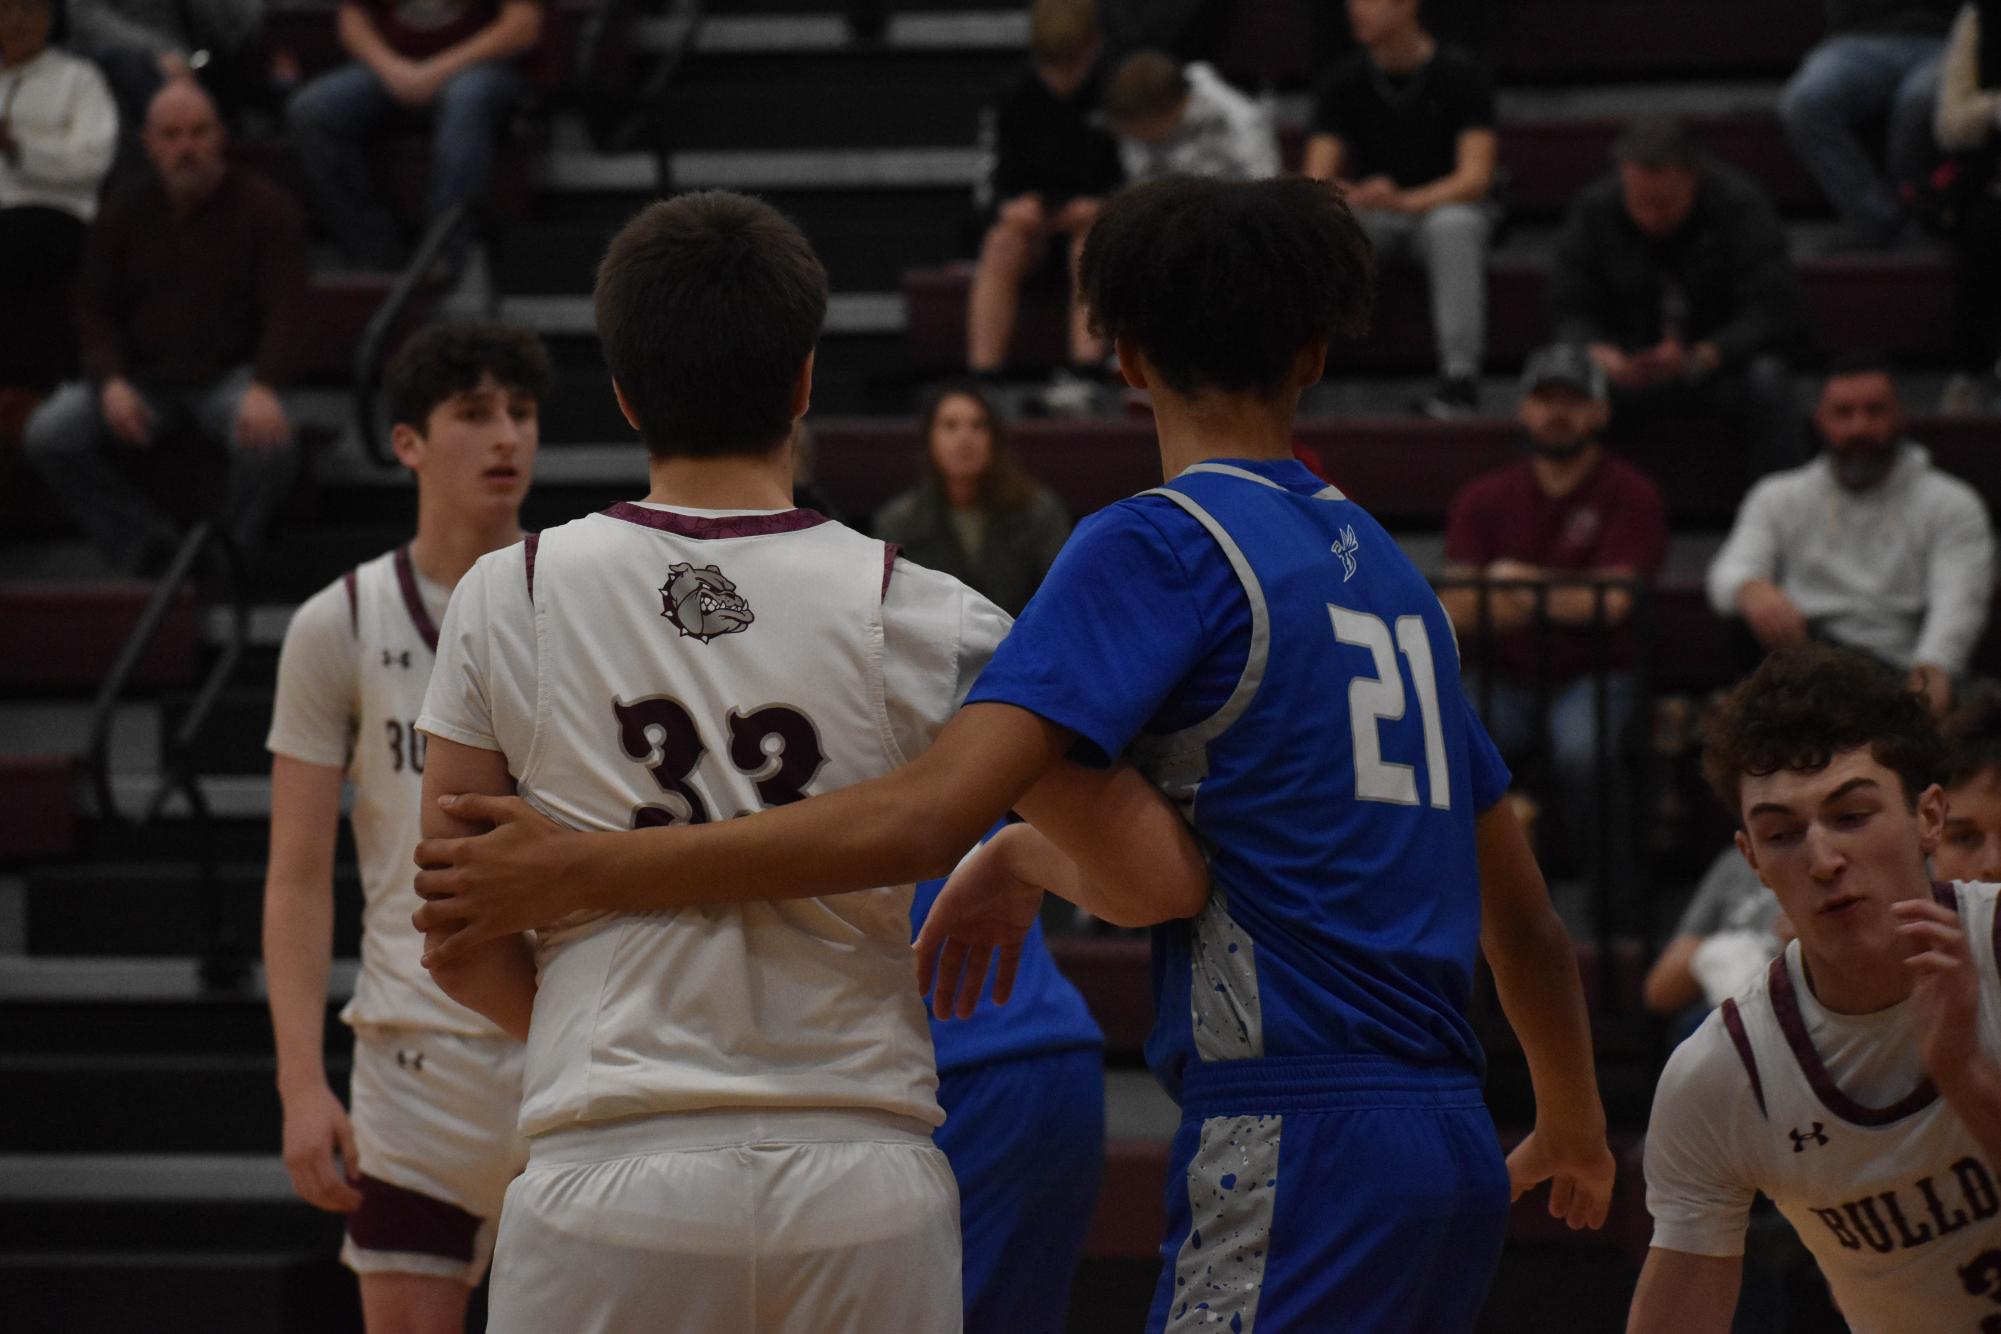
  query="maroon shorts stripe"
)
[
  {"x": 406, "y": 1222},
  {"x": 1733, "y": 1023}
]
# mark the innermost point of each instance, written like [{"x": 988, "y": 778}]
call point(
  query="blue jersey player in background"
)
[
  {"x": 1023, "y": 1088},
  {"x": 1269, "y": 658}
]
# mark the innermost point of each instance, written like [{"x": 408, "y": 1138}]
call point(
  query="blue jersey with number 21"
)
[{"x": 1262, "y": 648}]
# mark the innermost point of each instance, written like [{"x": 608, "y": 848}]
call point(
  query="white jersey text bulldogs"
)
[
  {"x": 1832, "y": 1117},
  {"x": 356, "y": 661}
]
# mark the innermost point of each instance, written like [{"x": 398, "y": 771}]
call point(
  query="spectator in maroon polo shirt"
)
[
  {"x": 190, "y": 295},
  {"x": 452, "y": 62},
  {"x": 1568, "y": 509}
]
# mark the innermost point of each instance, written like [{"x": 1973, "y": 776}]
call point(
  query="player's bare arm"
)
[
  {"x": 988, "y": 906},
  {"x": 1680, "y": 1293},
  {"x": 1946, "y": 1001},
  {"x": 498, "y": 977},
  {"x": 298, "y": 951},
  {"x": 908, "y": 825},
  {"x": 1535, "y": 974}
]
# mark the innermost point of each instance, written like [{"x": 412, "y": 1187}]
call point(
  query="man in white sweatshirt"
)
[{"x": 1868, "y": 545}]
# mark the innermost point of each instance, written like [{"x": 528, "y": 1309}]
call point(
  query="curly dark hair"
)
[
  {"x": 1222, "y": 284},
  {"x": 444, "y": 360},
  {"x": 1972, "y": 738},
  {"x": 1806, "y": 705}
]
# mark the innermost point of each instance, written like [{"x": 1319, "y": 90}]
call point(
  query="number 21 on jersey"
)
[{"x": 1375, "y": 700}]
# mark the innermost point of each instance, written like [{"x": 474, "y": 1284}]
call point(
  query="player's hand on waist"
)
[
  {"x": 1577, "y": 1163},
  {"x": 517, "y": 876},
  {"x": 981, "y": 917}
]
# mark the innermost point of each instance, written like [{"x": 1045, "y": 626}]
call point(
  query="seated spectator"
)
[
  {"x": 1569, "y": 509},
  {"x": 1969, "y": 125},
  {"x": 1869, "y": 545},
  {"x": 1730, "y": 932},
  {"x": 1674, "y": 271},
  {"x": 976, "y": 515},
  {"x": 453, "y": 62},
  {"x": 1406, "y": 127},
  {"x": 1971, "y": 847},
  {"x": 1051, "y": 166},
  {"x": 1175, "y": 119},
  {"x": 141, "y": 44},
  {"x": 58, "y": 128},
  {"x": 1879, "y": 63},
  {"x": 191, "y": 291}
]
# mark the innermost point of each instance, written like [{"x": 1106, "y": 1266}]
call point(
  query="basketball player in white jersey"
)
[
  {"x": 420, "y": 1161},
  {"x": 729, "y": 1107},
  {"x": 1857, "y": 1083}
]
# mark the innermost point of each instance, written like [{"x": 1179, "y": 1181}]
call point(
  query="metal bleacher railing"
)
[
  {"x": 226, "y": 960},
  {"x": 1616, "y": 867},
  {"x": 445, "y": 231}
]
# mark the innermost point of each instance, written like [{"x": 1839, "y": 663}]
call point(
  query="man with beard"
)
[
  {"x": 1569, "y": 512},
  {"x": 1869, "y": 545}
]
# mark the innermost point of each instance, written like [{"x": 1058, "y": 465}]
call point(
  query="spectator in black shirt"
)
[
  {"x": 1407, "y": 128},
  {"x": 1052, "y": 165},
  {"x": 1674, "y": 271}
]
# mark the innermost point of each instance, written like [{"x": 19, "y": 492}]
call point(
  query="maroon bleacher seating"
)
[
  {"x": 63, "y": 635},
  {"x": 1576, "y": 40},
  {"x": 37, "y": 806},
  {"x": 1898, "y": 304},
  {"x": 1114, "y": 973}
]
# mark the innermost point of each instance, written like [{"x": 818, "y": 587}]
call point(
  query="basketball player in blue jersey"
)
[
  {"x": 1261, "y": 647},
  {"x": 1023, "y": 1088}
]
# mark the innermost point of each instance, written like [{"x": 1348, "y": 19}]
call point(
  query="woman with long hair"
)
[{"x": 975, "y": 514}]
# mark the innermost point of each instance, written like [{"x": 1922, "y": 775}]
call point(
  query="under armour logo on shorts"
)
[{"x": 410, "y": 1060}]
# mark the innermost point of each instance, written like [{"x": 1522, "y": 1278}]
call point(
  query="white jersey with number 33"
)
[{"x": 688, "y": 669}]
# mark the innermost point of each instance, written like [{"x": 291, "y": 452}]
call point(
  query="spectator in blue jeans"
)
[
  {"x": 453, "y": 61},
  {"x": 1878, "y": 63},
  {"x": 1569, "y": 510}
]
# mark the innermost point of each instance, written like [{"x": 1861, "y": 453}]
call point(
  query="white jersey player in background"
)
[
  {"x": 422, "y": 1161},
  {"x": 730, "y": 1107},
  {"x": 1856, "y": 1083}
]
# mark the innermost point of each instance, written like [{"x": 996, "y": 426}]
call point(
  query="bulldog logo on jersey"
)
[{"x": 702, "y": 603}]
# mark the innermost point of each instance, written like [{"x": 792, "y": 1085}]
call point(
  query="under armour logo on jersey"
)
[
  {"x": 410, "y": 1060},
  {"x": 702, "y": 603},
  {"x": 1817, "y": 1135},
  {"x": 390, "y": 659},
  {"x": 1346, "y": 549}
]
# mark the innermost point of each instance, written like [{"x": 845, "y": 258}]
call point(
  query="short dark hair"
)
[
  {"x": 1861, "y": 361},
  {"x": 1223, "y": 283},
  {"x": 1805, "y": 705},
  {"x": 1146, "y": 85},
  {"x": 708, "y": 305},
  {"x": 1972, "y": 737},
  {"x": 442, "y": 360},
  {"x": 1655, "y": 142}
]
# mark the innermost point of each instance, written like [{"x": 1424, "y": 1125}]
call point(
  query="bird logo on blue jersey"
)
[
  {"x": 1347, "y": 549},
  {"x": 702, "y": 603}
]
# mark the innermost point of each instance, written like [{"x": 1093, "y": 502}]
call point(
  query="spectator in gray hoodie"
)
[{"x": 1868, "y": 545}]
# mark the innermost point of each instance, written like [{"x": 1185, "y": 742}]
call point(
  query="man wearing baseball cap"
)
[{"x": 1569, "y": 511}]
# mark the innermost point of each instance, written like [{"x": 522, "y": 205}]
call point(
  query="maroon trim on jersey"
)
[
  {"x": 347, "y": 581},
  {"x": 704, "y": 529},
  {"x": 890, "y": 551},
  {"x": 403, "y": 1221},
  {"x": 1786, "y": 1004},
  {"x": 413, "y": 601},
  {"x": 528, "y": 545},
  {"x": 1946, "y": 895},
  {"x": 1733, "y": 1023}
]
